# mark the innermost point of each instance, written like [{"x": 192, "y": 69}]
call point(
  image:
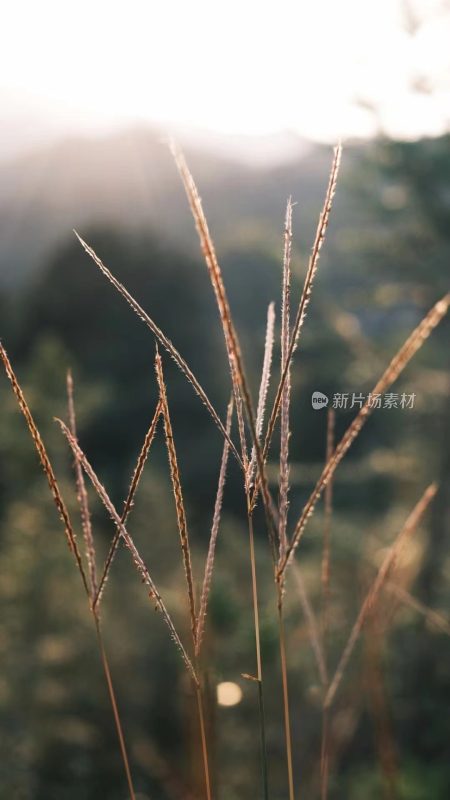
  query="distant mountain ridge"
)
[{"x": 128, "y": 180}]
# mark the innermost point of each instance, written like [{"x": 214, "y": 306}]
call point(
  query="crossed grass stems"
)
[{"x": 251, "y": 454}]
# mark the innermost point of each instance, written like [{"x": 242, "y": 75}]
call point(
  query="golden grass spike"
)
[
  {"x": 137, "y": 560},
  {"x": 306, "y": 292},
  {"x": 209, "y": 566},
  {"x": 82, "y": 496},
  {"x": 241, "y": 427},
  {"x": 372, "y": 596},
  {"x": 396, "y": 366},
  {"x": 283, "y": 503},
  {"x": 178, "y": 495},
  {"x": 233, "y": 347},
  {"x": 46, "y": 466},
  {"x": 264, "y": 384},
  {"x": 137, "y": 474},
  {"x": 166, "y": 343}
]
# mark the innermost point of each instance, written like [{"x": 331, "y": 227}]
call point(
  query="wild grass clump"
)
[{"x": 251, "y": 449}]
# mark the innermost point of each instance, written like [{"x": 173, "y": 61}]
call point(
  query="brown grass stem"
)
[
  {"x": 204, "y": 740},
  {"x": 234, "y": 352},
  {"x": 372, "y": 596},
  {"x": 326, "y": 551},
  {"x": 164, "y": 340},
  {"x": 61, "y": 507},
  {"x": 433, "y": 618},
  {"x": 304, "y": 299},
  {"x": 259, "y": 673},
  {"x": 325, "y": 579},
  {"x": 264, "y": 385},
  {"x": 82, "y": 496},
  {"x": 115, "y": 708},
  {"x": 284, "y": 679},
  {"x": 143, "y": 572},
  {"x": 209, "y": 565},
  {"x": 128, "y": 505},
  {"x": 313, "y": 627},
  {"x": 178, "y": 495},
  {"x": 47, "y": 467},
  {"x": 396, "y": 366},
  {"x": 283, "y": 503}
]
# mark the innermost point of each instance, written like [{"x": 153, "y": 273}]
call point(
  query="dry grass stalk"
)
[
  {"x": 306, "y": 294},
  {"x": 60, "y": 505},
  {"x": 128, "y": 505},
  {"x": 313, "y": 627},
  {"x": 138, "y": 561},
  {"x": 325, "y": 572},
  {"x": 396, "y": 366},
  {"x": 238, "y": 376},
  {"x": 46, "y": 466},
  {"x": 264, "y": 384},
  {"x": 178, "y": 495},
  {"x": 166, "y": 343},
  {"x": 209, "y": 566},
  {"x": 114, "y": 705},
  {"x": 284, "y": 676},
  {"x": 373, "y": 594},
  {"x": 433, "y": 618},
  {"x": 325, "y": 579},
  {"x": 378, "y": 705},
  {"x": 259, "y": 673},
  {"x": 241, "y": 427},
  {"x": 82, "y": 497},
  {"x": 204, "y": 741},
  {"x": 283, "y": 503}
]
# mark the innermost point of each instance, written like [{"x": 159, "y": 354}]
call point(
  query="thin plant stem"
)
[
  {"x": 201, "y": 715},
  {"x": 413, "y": 343},
  {"x": 325, "y": 743},
  {"x": 165, "y": 341},
  {"x": 264, "y": 384},
  {"x": 283, "y": 502},
  {"x": 326, "y": 552},
  {"x": 137, "y": 474},
  {"x": 259, "y": 674},
  {"x": 47, "y": 467},
  {"x": 233, "y": 347},
  {"x": 209, "y": 565},
  {"x": 185, "y": 545},
  {"x": 304, "y": 301},
  {"x": 112, "y": 697},
  {"x": 82, "y": 494},
  {"x": 73, "y": 546},
  {"x": 431, "y": 616},
  {"x": 178, "y": 496},
  {"x": 312, "y": 623},
  {"x": 373, "y": 594},
  {"x": 284, "y": 677},
  {"x": 140, "y": 565}
]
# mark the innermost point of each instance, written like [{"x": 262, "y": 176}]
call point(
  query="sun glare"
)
[{"x": 253, "y": 67}]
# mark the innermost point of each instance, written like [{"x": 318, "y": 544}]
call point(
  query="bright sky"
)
[{"x": 240, "y": 66}]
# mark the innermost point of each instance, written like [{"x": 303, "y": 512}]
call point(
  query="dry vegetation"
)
[{"x": 254, "y": 438}]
